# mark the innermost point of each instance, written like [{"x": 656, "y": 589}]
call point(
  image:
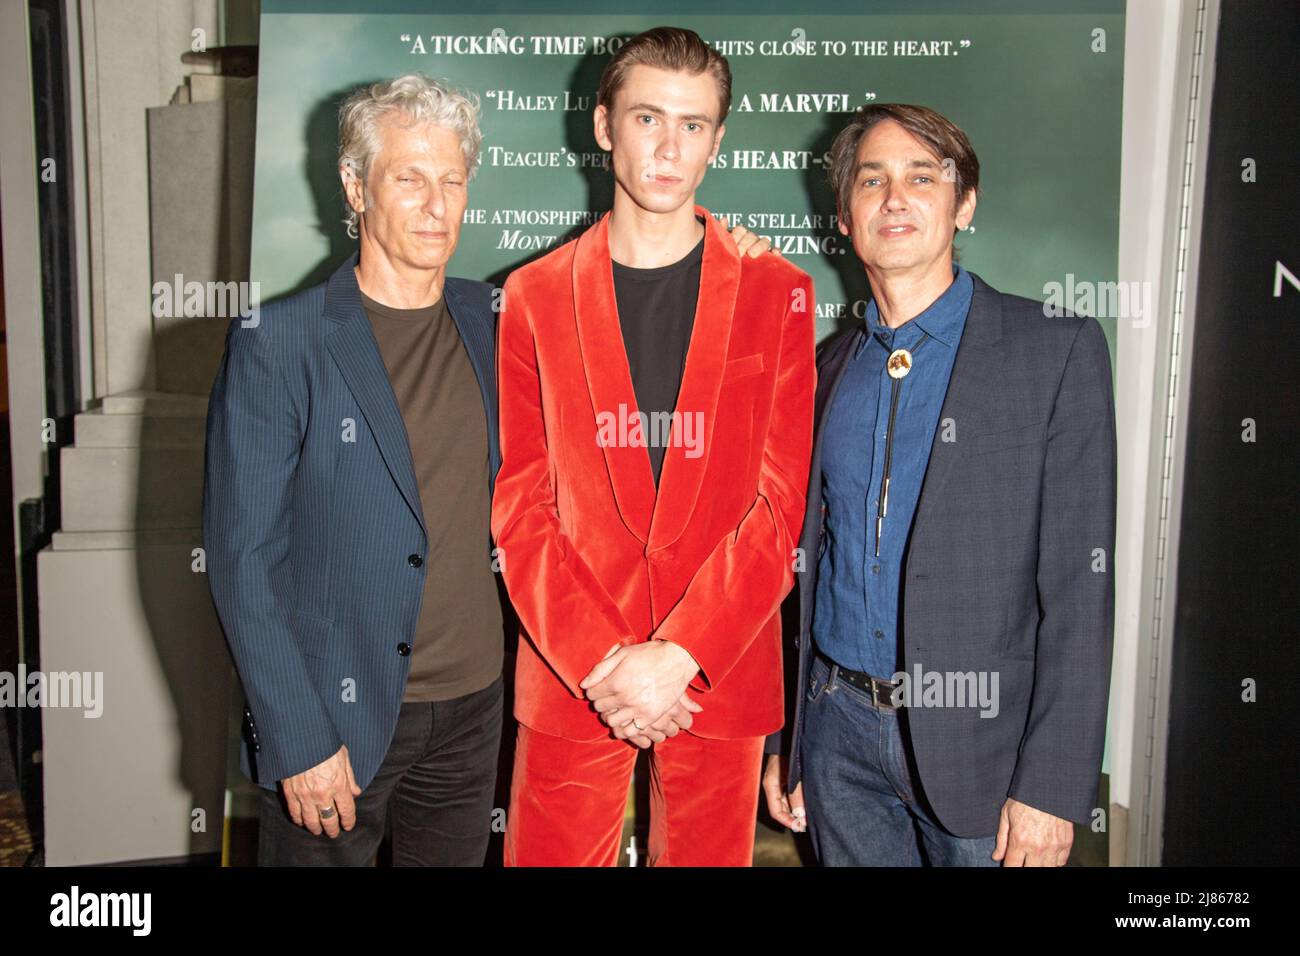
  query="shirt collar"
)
[{"x": 943, "y": 319}]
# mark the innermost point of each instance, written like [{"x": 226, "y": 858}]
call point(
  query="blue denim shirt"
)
[{"x": 855, "y": 617}]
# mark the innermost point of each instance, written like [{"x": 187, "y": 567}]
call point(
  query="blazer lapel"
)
[
  {"x": 609, "y": 377},
  {"x": 829, "y": 377},
  {"x": 657, "y": 519},
  {"x": 353, "y": 345},
  {"x": 969, "y": 393},
  {"x": 477, "y": 336},
  {"x": 706, "y": 357}
]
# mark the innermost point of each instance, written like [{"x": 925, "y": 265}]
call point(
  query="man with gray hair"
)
[{"x": 351, "y": 452}]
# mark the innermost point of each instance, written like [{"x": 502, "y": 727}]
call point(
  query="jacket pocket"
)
[
  {"x": 743, "y": 367},
  {"x": 315, "y": 634},
  {"x": 1004, "y": 439},
  {"x": 818, "y": 676}
]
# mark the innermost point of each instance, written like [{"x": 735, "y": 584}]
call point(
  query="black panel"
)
[
  {"x": 54, "y": 201},
  {"x": 1232, "y": 786}
]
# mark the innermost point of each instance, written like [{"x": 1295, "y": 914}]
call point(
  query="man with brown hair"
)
[
  {"x": 955, "y": 624},
  {"x": 656, "y": 422}
]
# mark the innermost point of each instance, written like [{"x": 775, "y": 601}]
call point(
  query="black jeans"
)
[{"x": 436, "y": 782}]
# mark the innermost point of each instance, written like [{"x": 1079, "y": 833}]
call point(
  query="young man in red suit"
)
[{"x": 656, "y": 426}]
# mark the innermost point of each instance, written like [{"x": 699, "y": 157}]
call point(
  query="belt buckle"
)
[{"x": 882, "y": 692}]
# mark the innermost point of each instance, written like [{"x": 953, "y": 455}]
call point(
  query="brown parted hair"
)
[
  {"x": 666, "y": 48},
  {"x": 936, "y": 131}
]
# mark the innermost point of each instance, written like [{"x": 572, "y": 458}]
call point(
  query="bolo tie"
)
[{"x": 898, "y": 364}]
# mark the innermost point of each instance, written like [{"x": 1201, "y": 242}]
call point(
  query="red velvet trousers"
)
[{"x": 568, "y": 799}]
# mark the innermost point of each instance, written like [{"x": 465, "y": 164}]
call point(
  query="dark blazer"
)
[
  {"x": 315, "y": 543},
  {"x": 999, "y": 572}
]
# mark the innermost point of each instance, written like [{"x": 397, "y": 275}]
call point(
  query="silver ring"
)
[
  {"x": 637, "y": 724},
  {"x": 326, "y": 812}
]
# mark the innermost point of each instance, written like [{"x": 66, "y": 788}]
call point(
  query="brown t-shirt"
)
[{"x": 457, "y": 647}]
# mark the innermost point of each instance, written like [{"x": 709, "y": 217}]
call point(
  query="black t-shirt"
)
[{"x": 656, "y": 309}]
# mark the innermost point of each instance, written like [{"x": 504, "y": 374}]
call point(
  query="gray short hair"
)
[{"x": 412, "y": 95}]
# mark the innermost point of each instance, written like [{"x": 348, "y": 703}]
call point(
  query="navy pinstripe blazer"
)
[{"x": 312, "y": 525}]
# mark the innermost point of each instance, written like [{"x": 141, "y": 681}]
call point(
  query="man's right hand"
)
[
  {"x": 327, "y": 784},
  {"x": 786, "y": 809},
  {"x": 676, "y": 719}
]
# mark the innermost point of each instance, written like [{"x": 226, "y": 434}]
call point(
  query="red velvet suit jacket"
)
[{"x": 591, "y": 556}]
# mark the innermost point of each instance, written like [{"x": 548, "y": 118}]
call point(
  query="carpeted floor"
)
[
  {"x": 15, "y": 840},
  {"x": 8, "y": 778}
]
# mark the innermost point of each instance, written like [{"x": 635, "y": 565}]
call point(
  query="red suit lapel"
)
[{"x": 657, "y": 520}]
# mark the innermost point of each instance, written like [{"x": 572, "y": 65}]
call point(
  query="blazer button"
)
[
  {"x": 404, "y": 649},
  {"x": 414, "y": 560}
]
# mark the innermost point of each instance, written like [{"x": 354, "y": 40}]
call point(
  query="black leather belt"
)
[{"x": 879, "y": 690}]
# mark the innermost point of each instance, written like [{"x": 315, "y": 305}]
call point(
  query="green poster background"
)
[
  {"x": 1041, "y": 108},
  {"x": 1036, "y": 85}
]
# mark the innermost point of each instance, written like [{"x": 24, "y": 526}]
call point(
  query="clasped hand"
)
[{"x": 639, "y": 690}]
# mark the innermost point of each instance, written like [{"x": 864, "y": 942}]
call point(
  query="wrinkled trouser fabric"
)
[
  {"x": 568, "y": 799},
  {"x": 435, "y": 787}
]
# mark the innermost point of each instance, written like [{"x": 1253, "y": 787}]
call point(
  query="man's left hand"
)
[
  {"x": 749, "y": 243},
  {"x": 638, "y": 684},
  {"x": 1029, "y": 837}
]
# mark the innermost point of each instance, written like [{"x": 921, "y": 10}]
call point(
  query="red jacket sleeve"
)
[
  {"x": 567, "y": 613},
  {"x": 741, "y": 584}
]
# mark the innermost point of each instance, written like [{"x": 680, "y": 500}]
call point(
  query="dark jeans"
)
[
  {"x": 863, "y": 808},
  {"x": 436, "y": 783}
]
